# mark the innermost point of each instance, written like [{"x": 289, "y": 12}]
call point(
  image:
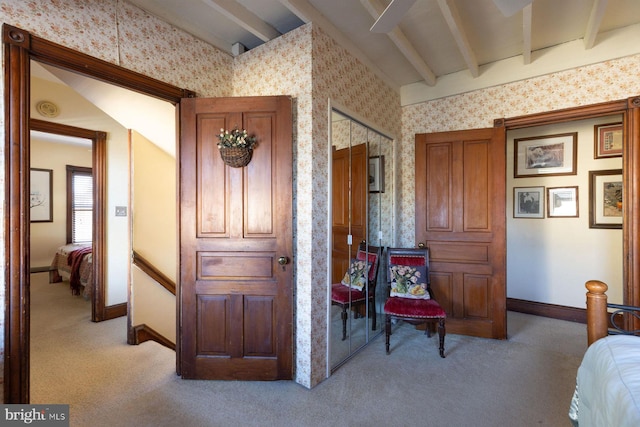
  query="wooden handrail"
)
[
  {"x": 153, "y": 272},
  {"x": 597, "y": 320}
]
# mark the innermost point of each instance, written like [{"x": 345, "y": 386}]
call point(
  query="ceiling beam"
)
[
  {"x": 245, "y": 18},
  {"x": 595, "y": 19},
  {"x": 527, "y": 12},
  {"x": 451, "y": 15},
  {"x": 403, "y": 44},
  {"x": 307, "y": 13},
  {"x": 391, "y": 16}
]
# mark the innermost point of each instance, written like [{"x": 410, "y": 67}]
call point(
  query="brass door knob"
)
[{"x": 283, "y": 260}]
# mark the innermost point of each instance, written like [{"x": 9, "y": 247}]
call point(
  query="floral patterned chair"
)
[
  {"x": 410, "y": 297},
  {"x": 352, "y": 291}
]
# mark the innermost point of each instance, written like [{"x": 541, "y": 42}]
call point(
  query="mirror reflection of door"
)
[{"x": 356, "y": 218}]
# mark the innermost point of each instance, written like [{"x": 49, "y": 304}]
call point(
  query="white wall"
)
[
  {"x": 154, "y": 218},
  {"x": 550, "y": 259},
  {"x": 117, "y": 227},
  {"x": 46, "y": 237}
]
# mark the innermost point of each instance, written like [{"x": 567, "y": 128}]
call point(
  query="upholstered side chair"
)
[
  {"x": 358, "y": 286},
  {"x": 410, "y": 296}
]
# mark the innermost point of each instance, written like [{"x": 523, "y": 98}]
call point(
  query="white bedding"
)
[{"x": 608, "y": 384}]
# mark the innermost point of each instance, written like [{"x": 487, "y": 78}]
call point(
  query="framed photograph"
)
[
  {"x": 605, "y": 198},
  {"x": 376, "y": 174},
  {"x": 41, "y": 195},
  {"x": 528, "y": 202},
  {"x": 546, "y": 155},
  {"x": 608, "y": 140},
  {"x": 562, "y": 202}
]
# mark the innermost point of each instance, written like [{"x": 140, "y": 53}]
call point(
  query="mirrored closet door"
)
[{"x": 362, "y": 219}]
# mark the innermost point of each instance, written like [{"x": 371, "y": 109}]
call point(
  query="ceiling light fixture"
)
[{"x": 47, "y": 109}]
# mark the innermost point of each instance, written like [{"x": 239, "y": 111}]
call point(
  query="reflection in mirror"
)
[{"x": 359, "y": 175}]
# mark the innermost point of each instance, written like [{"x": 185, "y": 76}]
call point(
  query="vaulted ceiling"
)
[{"x": 418, "y": 42}]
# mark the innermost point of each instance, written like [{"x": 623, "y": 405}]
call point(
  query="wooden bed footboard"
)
[
  {"x": 624, "y": 319},
  {"x": 597, "y": 315}
]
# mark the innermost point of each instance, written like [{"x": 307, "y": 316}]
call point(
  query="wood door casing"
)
[
  {"x": 235, "y": 298},
  {"x": 460, "y": 216}
]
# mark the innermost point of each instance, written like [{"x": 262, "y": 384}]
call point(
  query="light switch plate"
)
[{"x": 121, "y": 211}]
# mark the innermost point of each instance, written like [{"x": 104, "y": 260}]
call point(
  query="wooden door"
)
[
  {"x": 350, "y": 191},
  {"x": 235, "y": 305},
  {"x": 460, "y": 216},
  {"x": 340, "y": 254}
]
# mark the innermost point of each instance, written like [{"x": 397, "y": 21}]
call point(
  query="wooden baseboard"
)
[
  {"x": 571, "y": 314},
  {"x": 142, "y": 333},
  {"x": 114, "y": 311},
  {"x": 44, "y": 269}
]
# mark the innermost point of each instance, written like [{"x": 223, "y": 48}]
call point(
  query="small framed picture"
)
[
  {"x": 608, "y": 140},
  {"x": 562, "y": 202},
  {"x": 546, "y": 155},
  {"x": 528, "y": 202},
  {"x": 605, "y": 198},
  {"x": 41, "y": 195},
  {"x": 376, "y": 174}
]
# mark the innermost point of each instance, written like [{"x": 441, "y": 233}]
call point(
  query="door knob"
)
[
  {"x": 283, "y": 260},
  {"x": 422, "y": 245}
]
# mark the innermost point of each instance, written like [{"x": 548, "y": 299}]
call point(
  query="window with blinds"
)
[{"x": 79, "y": 204}]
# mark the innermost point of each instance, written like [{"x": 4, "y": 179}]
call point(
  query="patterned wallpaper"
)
[
  {"x": 310, "y": 66},
  {"x": 122, "y": 34},
  {"x": 606, "y": 81}
]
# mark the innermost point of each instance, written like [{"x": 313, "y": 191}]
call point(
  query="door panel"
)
[
  {"x": 350, "y": 204},
  {"x": 460, "y": 216},
  {"x": 235, "y": 223},
  {"x": 340, "y": 254}
]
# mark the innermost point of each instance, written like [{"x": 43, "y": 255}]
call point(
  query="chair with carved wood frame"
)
[
  {"x": 411, "y": 299},
  {"x": 345, "y": 297}
]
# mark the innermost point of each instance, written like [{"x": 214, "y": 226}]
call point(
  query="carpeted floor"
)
[{"x": 527, "y": 380}]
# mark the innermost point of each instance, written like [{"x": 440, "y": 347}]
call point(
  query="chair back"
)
[
  {"x": 413, "y": 257},
  {"x": 372, "y": 255}
]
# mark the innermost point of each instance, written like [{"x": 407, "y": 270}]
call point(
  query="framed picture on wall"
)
[
  {"x": 545, "y": 155},
  {"x": 41, "y": 195},
  {"x": 376, "y": 174},
  {"x": 608, "y": 140},
  {"x": 605, "y": 198},
  {"x": 562, "y": 202},
  {"x": 528, "y": 202}
]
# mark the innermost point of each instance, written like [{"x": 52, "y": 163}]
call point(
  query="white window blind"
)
[{"x": 82, "y": 207}]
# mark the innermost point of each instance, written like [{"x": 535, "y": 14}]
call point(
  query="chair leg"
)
[
  {"x": 441, "y": 334},
  {"x": 373, "y": 315},
  {"x": 344, "y": 323},
  {"x": 387, "y": 330}
]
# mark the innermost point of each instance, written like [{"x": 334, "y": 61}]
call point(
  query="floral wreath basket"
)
[{"x": 236, "y": 147}]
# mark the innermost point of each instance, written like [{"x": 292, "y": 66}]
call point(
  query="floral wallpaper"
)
[
  {"x": 606, "y": 81},
  {"x": 311, "y": 67}
]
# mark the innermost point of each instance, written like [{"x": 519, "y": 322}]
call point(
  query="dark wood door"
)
[
  {"x": 235, "y": 306},
  {"x": 350, "y": 191},
  {"x": 460, "y": 216}
]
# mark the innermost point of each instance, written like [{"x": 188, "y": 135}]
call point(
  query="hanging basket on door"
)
[
  {"x": 236, "y": 157},
  {"x": 236, "y": 147}
]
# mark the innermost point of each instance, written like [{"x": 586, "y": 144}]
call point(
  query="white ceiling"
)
[
  {"x": 432, "y": 39},
  {"x": 92, "y": 104}
]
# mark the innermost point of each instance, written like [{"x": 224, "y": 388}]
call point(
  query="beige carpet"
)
[{"x": 526, "y": 380}]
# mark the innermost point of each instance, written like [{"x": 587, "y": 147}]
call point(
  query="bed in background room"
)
[
  {"x": 608, "y": 380},
  {"x": 73, "y": 262}
]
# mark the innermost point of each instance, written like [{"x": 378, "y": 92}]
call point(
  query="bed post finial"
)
[{"x": 597, "y": 322}]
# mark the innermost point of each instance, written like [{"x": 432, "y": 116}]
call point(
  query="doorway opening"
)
[{"x": 20, "y": 48}]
